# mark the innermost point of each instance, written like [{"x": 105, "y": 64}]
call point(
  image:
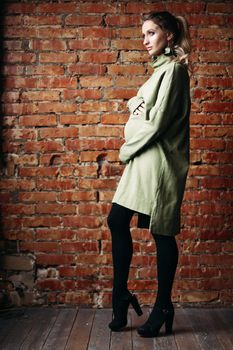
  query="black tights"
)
[{"x": 122, "y": 249}]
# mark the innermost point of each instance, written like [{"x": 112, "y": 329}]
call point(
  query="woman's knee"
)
[{"x": 119, "y": 217}]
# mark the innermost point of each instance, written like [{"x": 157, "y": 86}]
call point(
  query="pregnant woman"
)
[{"x": 156, "y": 154}]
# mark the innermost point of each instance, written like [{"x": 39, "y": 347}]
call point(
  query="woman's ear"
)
[{"x": 169, "y": 36}]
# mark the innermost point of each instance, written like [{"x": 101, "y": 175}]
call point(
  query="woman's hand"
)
[{"x": 139, "y": 111}]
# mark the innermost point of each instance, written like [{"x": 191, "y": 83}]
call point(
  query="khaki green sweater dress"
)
[{"x": 156, "y": 148}]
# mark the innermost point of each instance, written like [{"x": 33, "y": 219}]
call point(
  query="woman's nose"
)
[{"x": 145, "y": 41}]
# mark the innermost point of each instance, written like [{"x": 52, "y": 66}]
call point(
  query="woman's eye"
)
[{"x": 151, "y": 33}]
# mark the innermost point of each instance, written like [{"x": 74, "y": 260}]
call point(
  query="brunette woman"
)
[{"x": 156, "y": 154}]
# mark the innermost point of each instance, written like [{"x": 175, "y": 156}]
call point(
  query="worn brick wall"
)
[{"x": 69, "y": 68}]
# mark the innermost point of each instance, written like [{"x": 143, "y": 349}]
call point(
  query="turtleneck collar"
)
[{"x": 160, "y": 60}]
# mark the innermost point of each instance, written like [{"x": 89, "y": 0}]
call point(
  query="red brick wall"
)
[{"x": 69, "y": 68}]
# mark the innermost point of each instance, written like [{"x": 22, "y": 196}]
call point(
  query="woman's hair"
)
[{"x": 178, "y": 26}]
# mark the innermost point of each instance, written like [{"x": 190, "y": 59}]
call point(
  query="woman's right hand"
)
[{"x": 139, "y": 111}]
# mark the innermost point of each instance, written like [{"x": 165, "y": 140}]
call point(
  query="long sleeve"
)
[{"x": 161, "y": 115}]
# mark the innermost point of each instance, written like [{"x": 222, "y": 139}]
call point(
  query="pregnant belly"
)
[{"x": 133, "y": 125}]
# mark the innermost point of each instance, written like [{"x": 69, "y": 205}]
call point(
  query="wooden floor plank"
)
[
  {"x": 20, "y": 330},
  {"x": 87, "y": 329},
  {"x": 140, "y": 343},
  {"x": 183, "y": 332},
  {"x": 80, "y": 333},
  {"x": 223, "y": 327},
  {"x": 100, "y": 335},
  {"x": 44, "y": 321},
  {"x": 60, "y": 332},
  {"x": 7, "y": 322},
  {"x": 122, "y": 340},
  {"x": 203, "y": 329}
]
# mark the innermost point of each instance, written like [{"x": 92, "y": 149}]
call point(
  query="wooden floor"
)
[{"x": 86, "y": 329}]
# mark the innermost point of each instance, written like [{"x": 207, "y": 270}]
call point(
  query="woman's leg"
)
[
  {"x": 163, "y": 311},
  {"x": 122, "y": 248},
  {"x": 167, "y": 259}
]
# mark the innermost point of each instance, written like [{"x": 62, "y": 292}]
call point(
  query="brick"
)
[
  {"x": 114, "y": 118},
  {"x": 60, "y": 184},
  {"x": 213, "y": 57},
  {"x": 64, "y": 132},
  {"x": 37, "y": 120},
  {"x": 45, "y": 70},
  {"x": 97, "y": 32},
  {"x": 19, "y": 57},
  {"x": 35, "y": 197},
  {"x": 80, "y": 119},
  {"x": 97, "y": 183},
  {"x": 50, "y": 33},
  {"x": 220, "y": 8},
  {"x": 79, "y": 246},
  {"x": 214, "y": 144},
  {"x": 46, "y": 208},
  {"x": 57, "y": 57},
  {"x": 87, "y": 69},
  {"x": 82, "y": 221},
  {"x": 126, "y": 69},
  {"x": 123, "y": 20},
  {"x": 96, "y": 82},
  {"x": 35, "y": 171},
  {"x": 98, "y": 57},
  {"x": 58, "y": 159},
  {"x": 56, "y": 8},
  {"x": 87, "y": 44},
  {"x": 40, "y": 246},
  {"x": 119, "y": 93},
  {"x": 49, "y": 234},
  {"x": 57, "y": 82},
  {"x": 212, "y": 131},
  {"x": 20, "y": 32},
  {"x": 138, "y": 57},
  {"x": 41, "y": 221},
  {"x": 98, "y": 106},
  {"x": 131, "y": 32},
  {"x": 19, "y": 184},
  {"x": 47, "y": 45},
  {"x": 41, "y": 20},
  {"x": 215, "y": 82},
  {"x": 218, "y": 107},
  {"x": 83, "y": 20},
  {"x": 99, "y": 131},
  {"x": 77, "y": 196},
  {"x": 17, "y": 262},
  {"x": 18, "y": 209},
  {"x": 43, "y": 146},
  {"x": 92, "y": 94},
  {"x": 205, "y": 20},
  {"x": 40, "y": 96},
  {"x": 97, "y": 8},
  {"x": 135, "y": 7},
  {"x": 121, "y": 44}
]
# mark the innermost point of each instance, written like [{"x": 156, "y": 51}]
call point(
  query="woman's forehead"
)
[{"x": 149, "y": 25}]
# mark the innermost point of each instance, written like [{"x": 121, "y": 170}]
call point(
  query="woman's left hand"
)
[{"x": 139, "y": 111}]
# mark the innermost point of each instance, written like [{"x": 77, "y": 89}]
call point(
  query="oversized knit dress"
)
[{"x": 156, "y": 148}]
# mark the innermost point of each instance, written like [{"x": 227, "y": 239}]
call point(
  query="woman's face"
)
[{"x": 155, "y": 39}]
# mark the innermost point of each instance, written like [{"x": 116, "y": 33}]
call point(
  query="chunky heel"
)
[
  {"x": 157, "y": 318},
  {"x": 134, "y": 302},
  {"x": 169, "y": 323},
  {"x": 120, "y": 310}
]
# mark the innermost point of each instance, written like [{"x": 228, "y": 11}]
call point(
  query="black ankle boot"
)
[
  {"x": 120, "y": 310},
  {"x": 157, "y": 318}
]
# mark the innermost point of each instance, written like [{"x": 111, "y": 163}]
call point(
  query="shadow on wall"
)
[
  {"x": 3, "y": 283},
  {"x": 17, "y": 271}
]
